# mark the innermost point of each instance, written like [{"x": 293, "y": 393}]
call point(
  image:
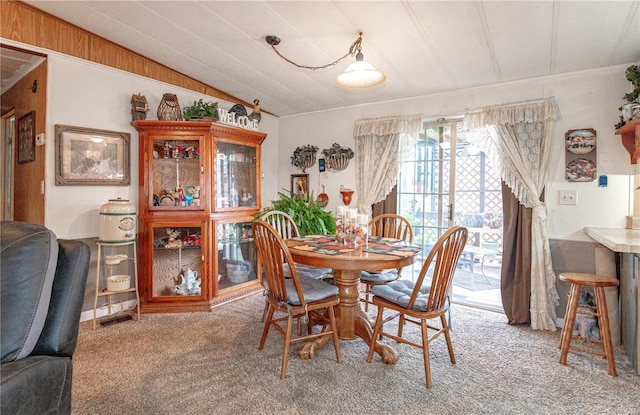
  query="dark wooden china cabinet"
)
[{"x": 199, "y": 189}]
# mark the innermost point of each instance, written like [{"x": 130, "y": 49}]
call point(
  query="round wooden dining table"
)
[{"x": 352, "y": 321}]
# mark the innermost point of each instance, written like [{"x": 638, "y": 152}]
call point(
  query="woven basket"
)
[
  {"x": 337, "y": 163},
  {"x": 169, "y": 108}
]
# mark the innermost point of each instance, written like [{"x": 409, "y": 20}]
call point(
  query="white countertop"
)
[{"x": 616, "y": 239}]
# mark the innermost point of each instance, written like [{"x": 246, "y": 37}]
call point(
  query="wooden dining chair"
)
[
  {"x": 387, "y": 225},
  {"x": 418, "y": 302},
  {"x": 295, "y": 297},
  {"x": 287, "y": 228}
]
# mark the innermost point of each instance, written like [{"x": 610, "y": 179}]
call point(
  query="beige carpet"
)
[{"x": 209, "y": 363}]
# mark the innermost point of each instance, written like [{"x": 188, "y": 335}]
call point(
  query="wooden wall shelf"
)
[{"x": 630, "y": 133}]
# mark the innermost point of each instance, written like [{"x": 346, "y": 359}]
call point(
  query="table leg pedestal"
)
[
  {"x": 365, "y": 332},
  {"x": 351, "y": 320}
]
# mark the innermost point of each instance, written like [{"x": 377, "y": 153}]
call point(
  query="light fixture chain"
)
[{"x": 353, "y": 49}]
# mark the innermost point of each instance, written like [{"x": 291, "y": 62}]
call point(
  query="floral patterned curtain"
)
[
  {"x": 381, "y": 145},
  {"x": 521, "y": 134}
]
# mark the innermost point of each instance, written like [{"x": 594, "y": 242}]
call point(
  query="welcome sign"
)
[{"x": 229, "y": 118}]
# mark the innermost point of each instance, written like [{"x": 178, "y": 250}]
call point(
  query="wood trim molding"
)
[{"x": 24, "y": 23}]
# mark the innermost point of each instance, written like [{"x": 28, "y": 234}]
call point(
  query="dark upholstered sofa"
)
[{"x": 42, "y": 290}]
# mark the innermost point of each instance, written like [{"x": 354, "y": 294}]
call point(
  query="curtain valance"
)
[
  {"x": 387, "y": 125},
  {"x": 538, "y": 110}
]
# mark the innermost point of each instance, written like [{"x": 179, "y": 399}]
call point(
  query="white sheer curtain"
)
[
  {"x": 521, "y": 134},
  {"x": 381, "y": 145}
]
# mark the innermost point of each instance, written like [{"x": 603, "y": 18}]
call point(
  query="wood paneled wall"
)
[{"x": 26, "y": 24}]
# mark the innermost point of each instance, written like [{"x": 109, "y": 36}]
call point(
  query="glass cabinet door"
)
[
  {"x": 237, "y": 254},
  {"x": 176, "y": 173},
  {"x": 177, "y": 260},
  {"x": 235, "y": 176}
]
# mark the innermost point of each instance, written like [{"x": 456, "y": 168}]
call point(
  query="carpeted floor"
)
[{"x": 209, "y": 363}]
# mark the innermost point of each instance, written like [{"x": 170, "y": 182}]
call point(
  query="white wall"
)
[
  {"x": 588, "y": 99},
  {"x": 85, "y": 94}
]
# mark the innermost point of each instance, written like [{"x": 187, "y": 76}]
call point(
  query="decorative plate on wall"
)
[
  {"x": 581, "y": 141},
  {"x": 581, "y": 170}
]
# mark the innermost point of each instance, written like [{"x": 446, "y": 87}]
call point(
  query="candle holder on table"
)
[
  {"x": 339, "y": 222},
  {"x": 362, "y": 230},
  {"x": 350, "y": 227}
]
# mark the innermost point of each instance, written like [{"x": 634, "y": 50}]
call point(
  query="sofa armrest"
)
[
  {"x": 36, "y": 385},
  {"x": 60, "y": 333}
]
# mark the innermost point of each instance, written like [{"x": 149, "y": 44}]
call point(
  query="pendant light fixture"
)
[{"x": 360, "y": 74}]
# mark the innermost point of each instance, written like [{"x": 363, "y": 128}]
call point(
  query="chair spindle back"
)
[
  {"x": 444, "y": 254},
  {"x": 390, "y": 225},
  {"x": 274, "y": 253},
  {"x": 282, "y": 223}
]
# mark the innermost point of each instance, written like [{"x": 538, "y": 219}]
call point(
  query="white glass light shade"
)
[{"x": 360, "y": 74}]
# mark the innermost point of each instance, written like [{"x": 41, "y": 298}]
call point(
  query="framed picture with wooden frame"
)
[
  {"x": 27, "y": 137},
  {"x": 300, "y": 185},
  {"x": 91, "y": 157}
]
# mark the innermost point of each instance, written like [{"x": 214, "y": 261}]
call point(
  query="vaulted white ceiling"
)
[{"x": 424, "y": 47}]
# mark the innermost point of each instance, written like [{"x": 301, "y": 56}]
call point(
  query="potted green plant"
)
[
  {"x": 337, "y": 157},
  {"x": 306, "y": 212},
  {"x": 304, "y": 157},
  {"x": 201, "y": 110},
  {"x": 633, "y": 76},
  {"x": 631, "y": 109}
]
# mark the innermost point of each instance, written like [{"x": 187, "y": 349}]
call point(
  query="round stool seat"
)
[
  {"x": 599, "y": 283},
  {"x": 589, "y": 279}
]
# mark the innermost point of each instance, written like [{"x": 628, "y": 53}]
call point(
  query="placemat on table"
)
[
  {"x": 334, "y": 248},
  {"x": 399, "y": 248},
  {"x": 386, "y": 241},
  {"x": 314, "y": 238}
]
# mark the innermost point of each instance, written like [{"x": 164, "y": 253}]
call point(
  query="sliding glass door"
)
[
  {"x": 426, "y": 185},
  {"x": 448, "y": 181}
]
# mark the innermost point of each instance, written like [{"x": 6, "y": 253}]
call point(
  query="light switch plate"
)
[
  {"x": 568, "y": 197},
  {"x": 40, "y": 139}
]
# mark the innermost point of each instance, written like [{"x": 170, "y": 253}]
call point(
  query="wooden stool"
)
[{"x": 598, "y": 282}]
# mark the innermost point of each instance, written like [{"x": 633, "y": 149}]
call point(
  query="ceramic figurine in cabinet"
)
[
  {"x": 189, "y": 283},
  {"x": 173, "y": 241}
]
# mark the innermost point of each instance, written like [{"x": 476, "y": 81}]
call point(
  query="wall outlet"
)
[
  {"x": 568, "y": 197},
  {"x": 40, "y": 139}
]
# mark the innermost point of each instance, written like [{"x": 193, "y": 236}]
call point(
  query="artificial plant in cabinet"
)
[{"x": 173, "y": 211}]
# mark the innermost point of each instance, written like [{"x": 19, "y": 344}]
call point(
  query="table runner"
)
[{"x": 327, "y": 245}]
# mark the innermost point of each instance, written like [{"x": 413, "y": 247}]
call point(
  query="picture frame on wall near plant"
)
[
  {"x": 27, "y": 137},
  {"x": 91, "y": 157},
  {"x": 300, "y": 185}
]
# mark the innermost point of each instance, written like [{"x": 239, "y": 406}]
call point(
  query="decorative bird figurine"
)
[{"x": 256, "y": 115}]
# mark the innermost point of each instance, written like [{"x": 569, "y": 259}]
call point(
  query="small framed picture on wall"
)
[
  {"x": 27, "y": 137},
  {"x": 300, "y": 185}
]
